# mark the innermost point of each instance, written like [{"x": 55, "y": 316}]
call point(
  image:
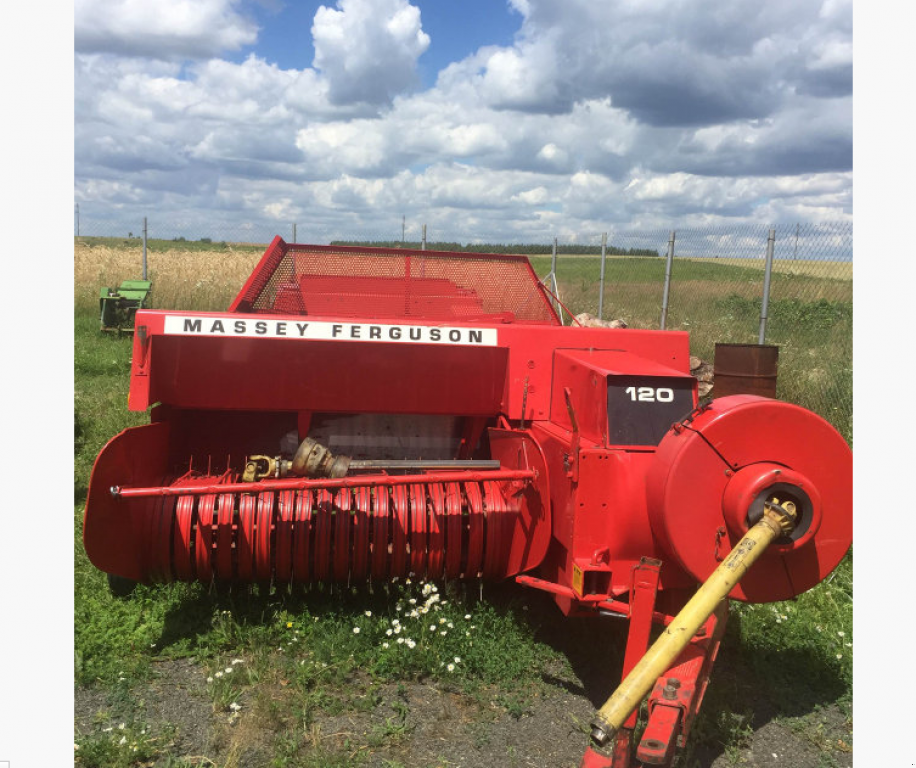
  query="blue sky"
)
[
  {"x": 497, "y": 121},
  {"x": 456, "y": 29}
]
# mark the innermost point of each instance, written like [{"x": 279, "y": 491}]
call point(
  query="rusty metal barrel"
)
[{"x": 745, "y": 369}]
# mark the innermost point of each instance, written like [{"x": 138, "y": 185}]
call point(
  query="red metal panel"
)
[
  {"x": 494, "y": 514},
  {"x": 182, "y": 557},
  {"x": 245, "y": 541},
  {"x": 400, "y": 528},
  {"x": 527, "y": 529},
  {"x": 224, "y": 537},
  {"x": 282, "y": 374},
  {"x": 454, "y": 531},
  {"x": 418, "y": 515},
  {"x": 323, "y": 523},
  {"x": 436, "y": 539},
  {"x": 696, "y": 463},
  {"x": 286, "y": 512},
  {"x": 204, "y": 545},
  {"x": 476, "y": 534},
  {"x": 263, "y": 565},
  {"x": 360, "y": 523},
  {"x": 349, "y": 281},
  {"x": 380, "y": 534},
  {"x": 163, "y": 521},
  {"x": 342, "y": 550},
  {"x": 302, "y": 556}
]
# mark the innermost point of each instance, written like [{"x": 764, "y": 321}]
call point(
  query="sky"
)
[{"x": 496, "y": 121}]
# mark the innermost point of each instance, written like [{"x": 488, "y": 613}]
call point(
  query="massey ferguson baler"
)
[{"x": 363, "y": 413}]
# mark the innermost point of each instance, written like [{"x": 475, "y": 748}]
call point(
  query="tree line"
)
[{"x": 528, "y": 249}]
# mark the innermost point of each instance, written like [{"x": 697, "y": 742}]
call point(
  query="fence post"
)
[
  {"x": 601, "y": 281},
  {"x": 553, "y": 274},
  {"x": 144, "y": 247},
  {"x": 423, "y": 242},
  {"x": 667, "y": 280},
  {"x": 771, "y": 242}
]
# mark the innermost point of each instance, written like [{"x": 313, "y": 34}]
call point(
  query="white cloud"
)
[
  {"x": 597, "y": 114},
  {"x": 162, "y": 29},
  {"x": 368, "y": 49}
]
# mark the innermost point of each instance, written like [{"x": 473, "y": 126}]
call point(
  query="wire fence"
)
[{"x": 787, "y": 286}]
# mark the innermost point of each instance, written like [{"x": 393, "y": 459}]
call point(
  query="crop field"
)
[{"x": 424, "y": 675}]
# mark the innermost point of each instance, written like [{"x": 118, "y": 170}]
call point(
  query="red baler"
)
[{"x": 367, "y": 413}]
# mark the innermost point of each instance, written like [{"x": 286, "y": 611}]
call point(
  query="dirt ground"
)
[{"x": 418, "y": 725}]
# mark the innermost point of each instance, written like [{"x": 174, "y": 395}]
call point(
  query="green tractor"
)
[{"x": 118, "y": 306}]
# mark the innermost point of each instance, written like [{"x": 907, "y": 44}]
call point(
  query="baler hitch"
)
[{"x": 778, "y": 521}]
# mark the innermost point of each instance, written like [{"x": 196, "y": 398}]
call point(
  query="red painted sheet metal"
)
[
  {"x": 400, "y": 520},
  {"x": 203, "y": 549},
  {"x": 286, "y": 512},
  {"x": 381, "y": 536},
  {"x": 351, "y": 281},
  {"x": 245, "y": 541},
  {"x": 688, "y": 491},
  {"x": 279, "y": 372},
  {"x": 436, "y": 539},
  {"x": 225, "y": 537},
  {"x": 262, "y": 560},
  {"x": 323, "y": 515},
  {"x": 342, "y": 525},
  {"x": 418, "y": 517},
  {"x": 302, "y": 554},
  {"x": 359, "y": 565},
  {"x": 454, "y": 531}
]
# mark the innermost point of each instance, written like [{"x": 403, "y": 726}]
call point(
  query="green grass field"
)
[{"x": 290, "y": 655}]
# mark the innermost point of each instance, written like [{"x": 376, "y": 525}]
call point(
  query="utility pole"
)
[{"x": 403, "y": 228}]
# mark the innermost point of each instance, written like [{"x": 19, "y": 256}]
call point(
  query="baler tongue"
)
[{"x": 778, "y": 520}]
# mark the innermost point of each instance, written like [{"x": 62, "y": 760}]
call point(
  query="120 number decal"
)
[{"x": 650, "y": 394}]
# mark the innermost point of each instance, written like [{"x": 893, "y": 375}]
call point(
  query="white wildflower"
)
[
  {"x": 355, "y": 630},
  {"x": 451, "y": 667},
  {"x": 367, "y": 613}
]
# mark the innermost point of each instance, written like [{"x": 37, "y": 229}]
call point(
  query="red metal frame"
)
[{"x": 603, "y": 521}]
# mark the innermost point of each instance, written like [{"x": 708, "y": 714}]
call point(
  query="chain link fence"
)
[{"x": 716, "y": 283}]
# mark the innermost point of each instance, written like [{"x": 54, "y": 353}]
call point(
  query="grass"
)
[{"x": 295, "y": 654}]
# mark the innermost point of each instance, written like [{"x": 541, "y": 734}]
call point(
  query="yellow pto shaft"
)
[{"x": 778, "y": 520}]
